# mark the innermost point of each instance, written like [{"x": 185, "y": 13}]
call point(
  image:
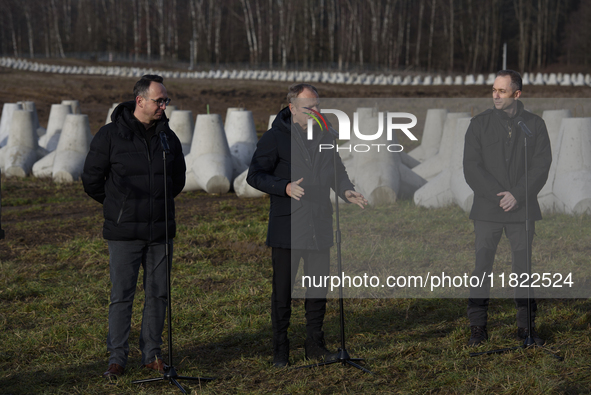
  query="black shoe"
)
[
  {"x": 115, "y": 370},
  {"x": 280, "y": 351},
  {"x": 522, "y": 334},
  {"x": 478, "y": 335},
  {"x": 280, "y": 360},
  {"x": 316, "y": 348}
]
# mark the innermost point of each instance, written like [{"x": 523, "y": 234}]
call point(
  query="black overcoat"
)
[
  {"x": 493, "y": 163},
  {"x": 281, "y": 157}
]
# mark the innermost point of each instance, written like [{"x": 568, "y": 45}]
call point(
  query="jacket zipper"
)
[
  {"x": 150, "y": 185},
  {"x": 121, "y": 211}
]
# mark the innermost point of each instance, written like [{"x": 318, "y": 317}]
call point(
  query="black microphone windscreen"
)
[{"x": 525, "y": 129}]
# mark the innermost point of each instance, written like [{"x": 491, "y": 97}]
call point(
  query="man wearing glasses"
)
[{"x": 124, "y": 171}]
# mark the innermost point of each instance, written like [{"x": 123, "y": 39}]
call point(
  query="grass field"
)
[{"x": 54, "y": 295}]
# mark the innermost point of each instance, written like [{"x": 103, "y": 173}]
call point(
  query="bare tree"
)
[
  {"x": 136, "y": 29},
  {"x": 431, "y": 31},
  {"x": 350, "y": 33},
  {"x": 332, "y": 26},
  {"x": 160, "y": 23},
  {"x": 375, "y": 9},
  {"x": 148, "y": 36},
  {"x": 27, "y": 10},
  {"x": 57, "y": 29},
  {"x": 407, "y": 46},
  {"x": 251, "y": 35},
  {"x": 522, "y": 13},
  {"x": 419, "y": 31},
  {"x": 451, "y": 35},
  {"x": 195, "y": 10},
  {"x": 496, "y": 37},
  {"x": 12, "y": 28},
  {"x": 270, "y": 24},
  {"x": 217, "y": 20},
  {"x": 386, "y": 39}
]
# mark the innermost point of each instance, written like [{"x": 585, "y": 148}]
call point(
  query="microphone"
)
[
  {"x": 164, "y": 142},
  {"x": 525, "y": 129}
]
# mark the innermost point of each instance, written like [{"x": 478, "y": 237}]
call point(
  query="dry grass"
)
[{"x": 54, "y": 297}]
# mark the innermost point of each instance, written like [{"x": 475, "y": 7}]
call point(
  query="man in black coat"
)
[
  {"x": 124, "y": 171},
  {"x": 494, "y": 167},
  {"x": 290, "y": 167}
]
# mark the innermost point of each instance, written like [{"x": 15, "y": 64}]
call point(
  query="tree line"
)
[{"x": 413, "y": 35}]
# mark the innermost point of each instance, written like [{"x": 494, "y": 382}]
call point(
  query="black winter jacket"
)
[
  {"x": 493, "y": 163},
  {"x": 281, "y": 156},
  {"x": 128, "y": 179}
]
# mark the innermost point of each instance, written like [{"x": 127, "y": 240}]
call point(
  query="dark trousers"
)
[
  {"x": 285, "y": 267},
  {"x": 488, "y": 235},
  {"x": 125, "y": 259}
]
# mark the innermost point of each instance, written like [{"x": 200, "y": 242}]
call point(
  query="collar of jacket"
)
[
  {"x": 127, "y": 123},
  {"x": 283, "y": 120},
  {"x": 504, "y": 116}
]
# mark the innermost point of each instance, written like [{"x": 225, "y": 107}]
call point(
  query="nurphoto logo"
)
[{"x": 344, "y": 129}]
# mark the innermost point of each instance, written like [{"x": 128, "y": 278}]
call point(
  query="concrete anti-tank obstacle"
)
[
  {"x": 376, "y": 174},
  {"x": 74, "y": 105},
  {"x": 462, "y": 194},
  {"x": 181, "y": 123},
  {"x": 30, "y": 105},
  {"x": 209, "y": 165},
  {"x": 381, "y": 176},
  {"x": 22, "y": 149},
  {"x": 572, "y": 180},
  {"x": 57, "y": 117},
  {"x": 169, "y": 109},
  {"x": 553, "y": 120},
  {"x": 434, "y": 165},
  {"x": 108, "y": 120},
  {"x": 271, "y": 119},
  {"x": 72, "y": 149},
  {"x": 241, "y": 135},
  {"x": 44, "y": 166},
  {"x": 432, "y": 132},
  {"x": 243, "y": 190},
  {"x": 228, "y": 111},
  {"x": 449, "y": 186},
  {"x": 7, "y": 110}
]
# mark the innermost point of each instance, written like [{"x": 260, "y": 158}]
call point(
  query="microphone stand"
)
[
  {"x": 343, "y": 355},
  {"x": 529, "y": 340},
  {"x": 170, "y": 375}
]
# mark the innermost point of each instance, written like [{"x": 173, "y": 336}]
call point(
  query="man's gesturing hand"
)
[
  {"x": 294, "y": 189},
  {"x": 508, "y": 202},
  {"x": 356, "y": 198}
]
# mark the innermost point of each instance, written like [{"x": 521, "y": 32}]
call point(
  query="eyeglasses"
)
[{"x": 161, "y": 102}]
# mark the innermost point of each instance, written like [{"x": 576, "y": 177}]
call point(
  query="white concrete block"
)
[
  {"x": 553, "y": 120},
  {"x": 74, "y": 105},
  {"x": 243, "y": 190},
  {"x": 71, "y": 151},
  {"x": 242, "y": 139},
  {"x": 572, "y": 182},
  {"x": 432, "y": 132},
  {"x": 210, "y": 160},
  {"x": 57, "y": 117},
  {"x": 5, "y": 121},
  {"x": 436, "y": 164},
  {"x": 181, "y": 123},
  {"x": 21, "y": 149}
]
